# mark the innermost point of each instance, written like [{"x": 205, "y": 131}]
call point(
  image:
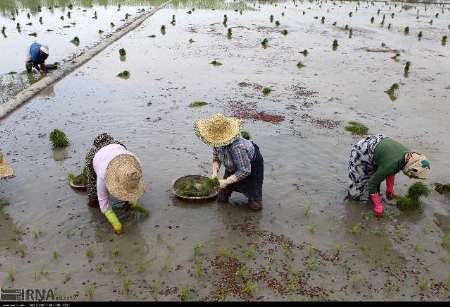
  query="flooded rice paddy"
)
[{"x": 307, "y": 243}]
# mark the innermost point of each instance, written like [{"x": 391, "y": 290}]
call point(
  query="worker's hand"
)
[
  {"x": 223, "y": 183},
  {"x": 377, "y": 204},
  {"x": 215, "y": 169},
  {"x": 114, "y": 221}
]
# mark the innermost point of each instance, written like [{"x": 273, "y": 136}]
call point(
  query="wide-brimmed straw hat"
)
[
  {"x": 218, "y": 130},
  {"x": 124, "y": 179},
  {"x": 5, "y": 169}
]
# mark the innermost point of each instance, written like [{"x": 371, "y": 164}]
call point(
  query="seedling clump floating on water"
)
[
  {"x": 196, "y": 104},
  {"x": 215, "y": 63},
  {"x": 122, "y": 52},
  {"x": 444, "y": 40},
  {"x": 412, "y": 199},
  {"x": 300, "y": 65},
  {"x": 58, "y": 139},
  {"x": 266, "y": 91},
  {"x": 277, "y": 23},
  {"x": 124, "y": 74},
  {"x": 284, "y": 32},
  {"x": 406, "y": 30},
  {"x": 356, "y": 128},
  {"x": 75, "y": 41}
]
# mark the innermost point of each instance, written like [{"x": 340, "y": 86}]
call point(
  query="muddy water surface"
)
[{"x": 307, "y": 243}]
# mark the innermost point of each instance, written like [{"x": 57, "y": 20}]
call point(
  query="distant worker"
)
[
  {"x": 37, "y": 54},
  {"x": 377, "y": 158},
  {"x": 243, "y": 162},
  {"x": 5, "y": 170},
  {"x": 113, "y": 171}
]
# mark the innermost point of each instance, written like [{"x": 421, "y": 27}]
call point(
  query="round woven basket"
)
[{"x": 195, "y": 179}]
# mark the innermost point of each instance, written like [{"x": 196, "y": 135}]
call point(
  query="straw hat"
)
[
  {"x": 218, "y": 130},
  {"x": 124, "y": 179},
  {"x": 5, "y": 169}
]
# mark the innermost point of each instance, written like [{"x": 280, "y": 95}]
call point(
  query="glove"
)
[
  {"x": 390, "y": 187},
  {"x": 215, "y": 169},
  {"x": 114, "y": 221},
  {"x": 378, "y": 206},
  {"x": 223, "y": 183}
]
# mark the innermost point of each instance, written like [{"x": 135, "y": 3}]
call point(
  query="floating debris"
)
[
  {"x": 216, "y": 63},
  {"x": 245, "y": 134},
  {"x": 412, "y": 199},
  {"x": 124, "y": 74},
  {"x": 58, "y": 139},
  {"x": 264, "y": 42},
  {"x": 335, "y": 45},
  {"x": 357, "y": 128},
  {"x": 75, "y": 41},
  {"x": 391, "y": 91},
  {"x": 197, "y": 104},
  {"x": 266, "y": 91},
  {"x": 442, "y": 188}
]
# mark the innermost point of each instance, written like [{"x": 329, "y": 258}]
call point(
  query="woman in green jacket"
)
[{"x": 377, "y": 158}]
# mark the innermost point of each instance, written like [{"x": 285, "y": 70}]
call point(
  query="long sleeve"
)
[
  {"x": 381, "y": 174},
  {"x": 91, "y": 176},
  {"x": 241, "y": 161},
  {"x": 103, "y": 195}
]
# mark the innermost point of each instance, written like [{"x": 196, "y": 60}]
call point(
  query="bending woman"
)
[
  {"x": 377, "y": 158},
  {"x": 244, "y": 164}
]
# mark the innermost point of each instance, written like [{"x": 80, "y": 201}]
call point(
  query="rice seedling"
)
[
  {"x": 126, "y": 286},
  {"x": 337, "y": 250},
  {"x": 284, "y": 32},
  {"x": 225, "y": 252},
  {"x": 124, "y": 74},
  {"x": 191, "y": 41},
  {"x": 40, "y": 20},
  {"x": 293, "y": 282},
  {"x": 249, "y": 288},
  {"x": 225, "y": 19},
  {"x": 372, "y": 19},
  {"x": 356, "y": 229},
  {"x": 115, "y": 252},
  {"x": 444, "y": 40},
  {"x": 287, "y": 250},
  {"x": 58, "y": 139},
  {"x": 406, "y": 31},
  {"x": 334, "y": 23},
  {"x": 10, "y": 276},
  {"x": 300, "y": 65},
  {"x": 122, "y": 52},
  {"x": 350, "y": 33},
  {"x": 312, "y": 264},
  {"x": 197, "y": 249},
  {"x": 419, "y": 35},
  {"x": 264, "y": 42},
  {"x": 322, "y": 19},
  {"x": 350, "y": 14},
  {"x": 216, "y": 63},
  {"x": 184, "y": 294},
  {"x": 266, "y": 91},
  {"x": 22, "y": 250},
  {"x": 112, "y": 24},
  {"x": 245, "y": 134},
  {"x": 406, "y": 69},
  {"x": 251, "y": 253},
  {"x": 89, "y": 292},
  {"x": 277, "y": 23},
  {"x": 357, "y": 128},
  {"x": 242, "y": 273},
  {"x": 163, "y": 30},
  {"x": 75, "y": 41},
  {"x": 424, "y": 284},
  {"x": 445, "y": 242},
  {"x": 392, "y": 15},
  {"x": 229, "y": 33},
  {"x": 282, "y": 14},
  {"x": 335, "y": 45},
  {"x": 89, "y": 253},
  {"x": 391, "y": 91},
  {"x": 55, "y": 255},
  {"x": 389, "y": 26},
  {"x": 37, "y": 234},
  {"x": 412, "y": 199},
  {"x": 304, "y": 52},
  {"x": 271, "y": 18},
  {"x": 173, "y": 20}
]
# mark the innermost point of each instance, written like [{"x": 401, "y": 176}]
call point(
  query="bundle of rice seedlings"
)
[
  {"x": 75, "y": 41},
  {"x": 122, "y": 52},
  {"x": 124, "y": 74},
  {"x": 357, "y": 128},
  {"x": 266, "y": 91},
  {"x": 412, "y": 199},
  {"x": 58, "y": 139}
]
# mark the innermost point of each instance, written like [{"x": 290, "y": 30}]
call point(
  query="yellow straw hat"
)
[
  {"x": 5, "y": 169},
  {"x": 417, "y": 166},
  {"x": 218, "y": 130},
  {"x": 124, "y": 179}
]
